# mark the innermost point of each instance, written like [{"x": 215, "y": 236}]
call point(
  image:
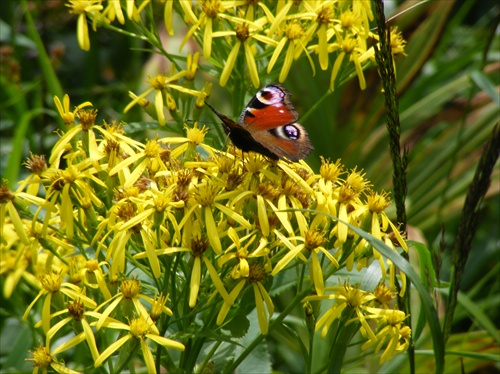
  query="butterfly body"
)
[{"x": 268, "y": 125}]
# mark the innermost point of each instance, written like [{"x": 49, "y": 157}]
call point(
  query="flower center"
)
[{"x": 242, "y": 32}]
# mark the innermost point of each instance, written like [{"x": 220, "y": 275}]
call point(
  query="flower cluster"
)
[
  {"x": 268, "y": 35},
  {"x": 110, "y": 230}
]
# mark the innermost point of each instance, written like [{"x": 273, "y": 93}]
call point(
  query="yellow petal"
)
[
  {"x": 213, "y": 235},
  {"x": 228, "y": 68},
  {"x": 168, "y": 343},
  {"x": 252, "y": 67},
  {"x": 112, "y": 348}
]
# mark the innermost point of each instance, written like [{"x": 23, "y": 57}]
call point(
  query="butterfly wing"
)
[
  {"x": 268, "y": 125},
  {"x": 269, "y": 108},
  {"x": 240, "y": 137},
  {"x": 289, "y": 141},
  {"x": 271, "y": 120}
]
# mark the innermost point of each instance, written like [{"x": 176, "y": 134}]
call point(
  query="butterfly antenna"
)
[
  {"x": 403, "y": 12},
  {"x": 219, "y": 114}
]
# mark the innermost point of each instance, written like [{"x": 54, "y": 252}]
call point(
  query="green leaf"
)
[
  {"x": 259, "y": 360},
  {"x": 428, "y": 276},
  {"x": 476, "y": 314},
  {"x": 484, "y": 83}
]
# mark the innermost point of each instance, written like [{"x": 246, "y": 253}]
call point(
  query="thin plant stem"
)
[
  {"x": 469, "y": 221},
  {"x": 385, "y": 63}
]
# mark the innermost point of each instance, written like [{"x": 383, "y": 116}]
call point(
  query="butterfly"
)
[{"x": 268, "y": 125}]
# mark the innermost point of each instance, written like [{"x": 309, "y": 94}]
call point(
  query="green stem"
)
[
  {"x": 385, "y": 63},
  {"x": 469, "y": 221},
  {"x": 343, "y": 337},
  {"x": 383, "y": 55},
  {"x": 48, "y": 71}
]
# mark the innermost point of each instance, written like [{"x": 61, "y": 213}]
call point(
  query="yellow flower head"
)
[
  {"x": 41, "y": 357},
  {"x": 212, "y": 7},
  {"x": 314, "y": 239},
  {"x": 139, "y": 328},
  {"x": 378, "y": 202},
  {"x": 397, "y": 42},
  {"x": 356, "y": 180},
  {"x": 87, "y": 118},
  {"x": 51, "y": 282},
  {"x": 195, "y": 135},
  {"x": 36, "y": 164},
  {"x": 158, "y": 307},
  {"x": 330, "y": 171},
  {"x": 130, "y": 288},
  {"x": 76, "y": 309},
  {"x": 153, "y": 148},
  {"x": 5, "y": 194},
  {"x": 205, "y": 193},
  {"x": 68, "y": 116},
  {"x": 384, "y": 294}
]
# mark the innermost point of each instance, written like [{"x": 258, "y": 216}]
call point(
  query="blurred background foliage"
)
[{"x": 449, "y": 102}]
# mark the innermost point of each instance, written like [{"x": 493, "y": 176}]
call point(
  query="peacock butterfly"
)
[{"x": 268, "y": 125}]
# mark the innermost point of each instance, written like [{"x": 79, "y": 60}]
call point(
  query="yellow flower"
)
[
  {"x": 91, "y": 273},
  {"x": 348, "y": 46},
  {"x": 83, "y": 8},
  {"x": 114, "y": 10},
  {"x": 210, "y": 10},
  {"x": 52, "y": 288},
  {"x": 318, "y": 14},
  {"x": 204, "y": 93},
  {"x": 242, "y": 254},
  {"x": 349, "y": 203},
  {"x": 392, "y": 333},
  {"x": 129, "y": 296},
  {"x": 77, "y": 315},
  {"x": 140, "y": 330},
  {"x": 192, "y": 65},
  {"x": 187, "y": 145},
  {"x": 12, "y": 269},
  {"x": 293, "y": 32},
  {"x": 134, "y": 12},
  {"x": 397, "y": 42},
  {"x": 36, "y": 164},
  {"x": 161, "y": 84},
  {"x": 43, "y": 359},
  {"x": 384, "y": 295},
  {"x": 257, "y": 275},
  {"x": 68, "y": 186},
  {"x": 143, "y": 215},
  {"x": 312, "y": 241},
  {"x": 158, "y": 307},
  {"x": 64, "y": 110},
  {"x": 7, "y": 199},
  {"x": 345, "y": 296},
  {"x": 196, "y": 244},
  {"x": 244, "y": 32},
  {"x": 150, "y": 157},
  {"x": 86, "y": 130},
  {"x": 206, "y": 196}
]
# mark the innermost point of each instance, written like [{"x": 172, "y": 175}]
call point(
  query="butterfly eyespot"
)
[
  {"x": 291, "y": 132},
  {"x": 270, "y": 95}
]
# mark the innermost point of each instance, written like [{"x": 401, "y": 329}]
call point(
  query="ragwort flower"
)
[
  {"x": 53, "y": 288},
  {"x": 140, "y": 330},
  {"x": 43, "y": 359},
  {"x": 83, "y": 8}
]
